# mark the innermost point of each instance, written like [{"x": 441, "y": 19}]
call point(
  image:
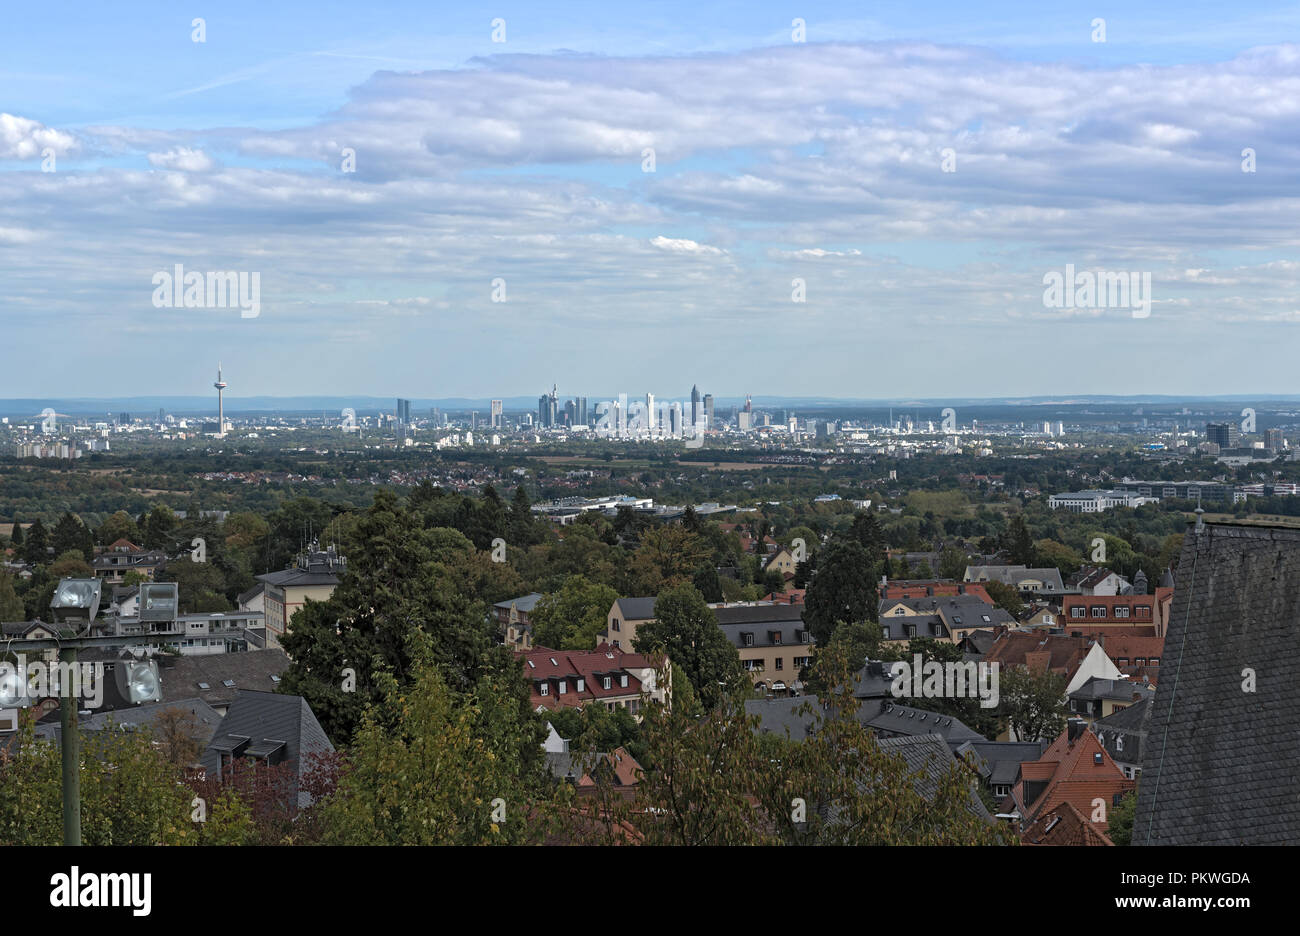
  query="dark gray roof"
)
[
  {"x": 927, "y": 625},
  {"x": 636, "y": 609},
  {"x": 525, "y": 603},
  {"x": 783, "y": 716},
  {"x": 206, "y": 717},
  {"x": 762, "y": 633},
  {"x": 249, "y": 670},
  {"x": 891, "y": 719},
  {"x": 299, "y": 577},
  {"x": 1124, "y": 734},
  {"x": 761, "y": 615},
  {"x": 874, "y": 681},
  {"x": 270, "y": 722},
  {"x": 1114, "y": 689},
  {"x": 999, "y": 761},
  {"x": 1221, "y": 763},
  {"x": 931, "y": 756}
]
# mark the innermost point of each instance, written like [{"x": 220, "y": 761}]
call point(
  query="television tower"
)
[{"x": 221, "y": 406}]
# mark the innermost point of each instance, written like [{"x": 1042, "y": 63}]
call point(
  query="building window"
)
[
  {"x": 780, "y": 663},
  {"x": 911, "y": 630},
  {"x": 1099, "y": 611},
  {"x": 615, "y": 623},
  {"x": 1121, "y": 612},
  {"x": 543, "y": 689},
  {"x": 1143, "y": 611},
  {"x": 622, "y": 680},
  {"x": 582, "y": 685},
  {"x": 564, "y": 687},
  {"x": 605, "y": 681},
  {"x": 1078, "y": 612},
  {"x": 747, "y": 639}
]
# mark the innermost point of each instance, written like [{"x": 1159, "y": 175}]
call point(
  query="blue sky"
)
[{"x": 775, "y": 160}]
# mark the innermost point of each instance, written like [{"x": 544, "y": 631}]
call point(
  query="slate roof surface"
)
[
  {"x": 636, "y": 609},
  {"x": 1221, "y": 764},
  {"x": 206, "y": 718},
  {"x": 782, "y": 717},
  {"x": 269, "y": 716}
]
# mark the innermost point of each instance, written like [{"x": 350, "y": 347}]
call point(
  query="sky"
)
[{"x": 801, "y": 199}]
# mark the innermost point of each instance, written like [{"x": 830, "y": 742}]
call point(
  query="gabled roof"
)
[
  {"x": 1070, "y": 771},
  {"x": 1221, "y": 762},
  {"x": 206, "y": 719},
  {"x": 1064, "y": 825},
  {"x": 524, "y": 603},
  {"x": 266, "y": 720},
  {"x": 636, "y": 609}
]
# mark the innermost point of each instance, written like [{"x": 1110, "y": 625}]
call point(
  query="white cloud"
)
[
  {"x": 183, "y": 159},
  {"x": 23, "y": 138}
]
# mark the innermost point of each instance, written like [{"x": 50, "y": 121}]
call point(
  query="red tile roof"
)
[
  {"x": 551, "y": 667},
  {"x": 941, "y": 589},
  {"x": 1064, "y": 826},
  {"x": 1075, "y": 776}
]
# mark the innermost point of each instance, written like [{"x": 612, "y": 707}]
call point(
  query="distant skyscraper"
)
[
  {"x": 650, "y": 413},
  {"x": 695, "y": 404},
  {"x": 473, "y": 419},
  {"x": 221, "y": 404},
  {"x": 403, "y": 411},
  {"x": 582, "y": 411},
  {"x": 708, "y": 410},
  {"x": 496, "y": 414},
  {"x": 548, "y": 408},
  {"x": 1224, "y": 435},
  {"x": 749, "y": 404}
]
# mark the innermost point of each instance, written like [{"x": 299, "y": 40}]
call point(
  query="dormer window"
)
[
  {"x": 543, "y": 688},
  {"x": 774, "y": 636},
  {"x": 582, "y": 684},
  {"x": 564, "y": 687},
  {"x": 606, "y": 682},
  {"x": 1096, "y": 758},
  {"x": 622, "y": 680},
  {"x": 746, "y": 639}
]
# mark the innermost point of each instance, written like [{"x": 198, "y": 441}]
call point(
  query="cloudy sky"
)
[{"x": 919, "y": 168}]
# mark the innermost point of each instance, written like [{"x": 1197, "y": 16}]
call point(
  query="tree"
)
[
  {"x": 1033, "y": 702},
  {"x": 71, "y": 565},
  {"x": 433, "y": 767},
  {"x": 130, "y": 795},
  {"x": 706, "y": 580},
  {"x": 157, "y": 528},
  {"x": 520, "y": 524},
  {"x": 1020, "y": 543},
  {"x": 573, "y": 617},
  {"x": 36, "y": 544},
  {"x": 1051, "y": 553},
  {"x": 842, "y": 589},
  {"x": 686, "y": 629},
  {"x": 1119, "y": 827},
  {"x": 177, "y": 735},
  {"x": 868, "y": 534},
  {"x": 952, "y": 563},
  {"x": 119, "y": 526},
  {"x": 1005, "y": 597},
  {"x": 853, "y": 792},
  {"x": 11, "y": 606},
  {"x": 201, "y": 586},
  {"x": 400, "y": 580},
  {"x": 16, "y": 537},
  {"x": 667, "y": 556}
]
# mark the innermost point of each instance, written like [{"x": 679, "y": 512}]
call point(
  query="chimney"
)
[{"x": 1074, "y": 729}]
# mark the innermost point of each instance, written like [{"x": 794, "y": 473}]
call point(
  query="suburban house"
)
[
  {"x": 123, "y": 556},
  {"x": 315, "y": 576},
  {"x": 625, "y": 616},
  {"x": 1220, "y": 758},
  {"x": 1099, "y": 698},
  {"x": 773, "y": 643},
  {"x": 605, "y": 676},
  {"x": 1029, "y": 582},
  {"x": 782, "y": 561},
  {"x": 949, "y": 619},
  {"x": 1064, "y": 825},
  {"x": 1118, "y": 611},
  {"x": 1123, "y": 734},
  {"x": 1092, "y": 580},
  {"x": 1075, "y": 769},
  {"x": 512, "y": 620}
]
